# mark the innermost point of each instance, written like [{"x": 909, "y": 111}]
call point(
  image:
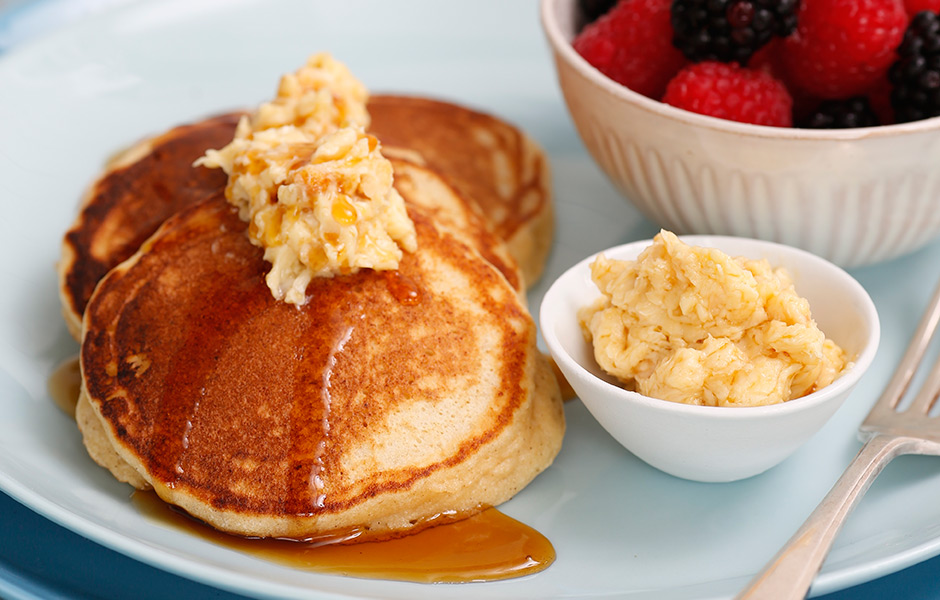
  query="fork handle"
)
[{"x": 789, "y": 574}]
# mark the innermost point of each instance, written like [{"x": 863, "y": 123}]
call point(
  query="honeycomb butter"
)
[
  {"x": 696, "y": 326},
  {"x": 313, "y": 186}
]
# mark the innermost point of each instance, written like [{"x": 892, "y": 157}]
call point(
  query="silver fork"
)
[{"x": 887, "y": 433}]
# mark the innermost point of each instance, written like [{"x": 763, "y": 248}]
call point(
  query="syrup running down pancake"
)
[{"x": 385, "y": 400}]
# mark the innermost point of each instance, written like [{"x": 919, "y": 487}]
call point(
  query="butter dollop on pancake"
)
[
  {"x": 388, "y": 398},
  {"x": 500, "y": 174}
]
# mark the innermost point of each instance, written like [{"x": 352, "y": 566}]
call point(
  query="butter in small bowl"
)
[{"x": 744, "y": 431}]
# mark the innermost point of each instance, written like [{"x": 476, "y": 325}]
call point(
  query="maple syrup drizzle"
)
[
  {"x": 402, "y": 288},
  {"x": 487, "y": 546},
  {"x": 64, "y": 385},
  {"x": 318, "y": 474}
]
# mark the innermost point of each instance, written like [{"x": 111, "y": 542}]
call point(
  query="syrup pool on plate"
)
[{"x": 487, "y": 546}]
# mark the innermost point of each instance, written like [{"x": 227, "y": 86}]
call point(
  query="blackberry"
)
[
  {"x": 729, "y": 30},
  {"x": 592, "y": 10},
  {"x": 915, "y": 75},
  {"x": 842, "y": 114}
]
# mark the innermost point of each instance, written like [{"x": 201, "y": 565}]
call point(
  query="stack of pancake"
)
[{"x": 386, "y": 400}]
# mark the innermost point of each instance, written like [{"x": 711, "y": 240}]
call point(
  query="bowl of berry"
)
[{"x": 812, "y": 123}]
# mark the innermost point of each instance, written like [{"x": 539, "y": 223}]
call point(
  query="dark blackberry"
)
[
  {"x": 591, "y": 10},
  {"x": 842, "y": 114},
  {"x": 729, "y": 30},
  {"x": 915, "y": 75}
]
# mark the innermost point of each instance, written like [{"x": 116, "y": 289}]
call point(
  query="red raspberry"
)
[
  {"x": 879, "y": 97},
  {"x": 632, "y": 44},
  {"x": 915, "y": 6},
  {"x": 727, "y": 91},
  {"x": 767, "y": 58},
  {"x": 842, "y": 47}
]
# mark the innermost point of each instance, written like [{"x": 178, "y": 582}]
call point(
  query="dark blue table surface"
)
[{"x": 40, "y": 559}]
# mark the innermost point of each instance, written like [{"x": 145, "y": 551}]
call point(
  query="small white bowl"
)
[
  {"x": 706, "y": 443},
  {"x": 853, "y": 196}
]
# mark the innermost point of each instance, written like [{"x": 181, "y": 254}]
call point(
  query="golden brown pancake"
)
[
  {"x": 507, "y": 185},
  {"x": 454, "y": 212},
  {"x": 99, "y": 445},
  {"x": 490, "y": 161},
  {"x": 146, "y": 184},
  {"x": 386, "y": 399}
]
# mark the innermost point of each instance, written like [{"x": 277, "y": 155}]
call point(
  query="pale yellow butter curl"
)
[{"x": 695, "y": 325}]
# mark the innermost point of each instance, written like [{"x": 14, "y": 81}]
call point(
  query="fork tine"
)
[
  {"x": 915, "y": 352},
  {"x": 927, "y": 394},
  {"x": 886, "y": 434}
]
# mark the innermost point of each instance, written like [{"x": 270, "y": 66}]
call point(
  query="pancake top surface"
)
[
  {"x": 486, "y": 158},
  {"x": 490, "y": 163},
  {"x": 256, "y": 407},
  {"x": 126, "y": 205},
  {"x": 454, "y": 212}
]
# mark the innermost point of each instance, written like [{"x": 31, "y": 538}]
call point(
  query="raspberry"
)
[
  {"x": 727, "y": 91},
  {"x": 842, "y": 47},
  {"x": 632, "y": 44},
  {"x": 729, "y": 30},
  {"x": 879, "y": 97},
  {"x": 916, "y": 74},
  {"x": 915, "y": 6}
]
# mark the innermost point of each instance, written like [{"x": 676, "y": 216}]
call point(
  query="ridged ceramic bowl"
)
[
  {"x": 714, "y": 443},
  {"x": 852, "y": 196}
]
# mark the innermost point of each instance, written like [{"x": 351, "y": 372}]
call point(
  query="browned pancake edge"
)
[
  {"x": 126, "y": 205},
  {"x": 362, "y": 410}
]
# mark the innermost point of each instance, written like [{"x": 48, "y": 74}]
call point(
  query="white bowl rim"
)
[
  {"x": 844, "y": 383},
  {"x": 564, "y": 49}
]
